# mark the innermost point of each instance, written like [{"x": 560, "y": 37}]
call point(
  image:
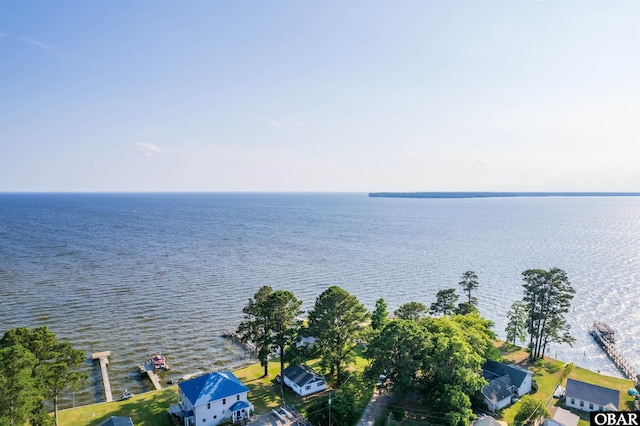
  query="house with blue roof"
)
[{"x": 208, "y": 400}]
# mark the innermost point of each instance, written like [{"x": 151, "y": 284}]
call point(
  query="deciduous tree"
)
[
  {"x": 517, "y": 323},
  {"x": 337, "y": 322},
  {"x": 530, "y": 410},
  {"x": 398, "y": 354},
  {"x": 411, "y": 311}
]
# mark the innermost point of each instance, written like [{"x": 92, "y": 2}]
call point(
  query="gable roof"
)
[
  {"x": 211, "y": 387},
  {"x": 301, "y": 374},
  {"x": 498, "y": 389},
  {"x": 565, "y": 417},
  {"x": 592, "y": 393},
  {"x": 494, "y": 369},
  {"x": 117, "y": 421}
]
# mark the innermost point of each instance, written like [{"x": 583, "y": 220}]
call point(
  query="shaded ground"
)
[{"x": 375, "y": 408}]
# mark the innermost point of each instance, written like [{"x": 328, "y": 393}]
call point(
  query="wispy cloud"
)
[
  {"x": 28, "y": 40},
  {"x": 149, "y": 149},
  {"x": 275, "y": 123}
]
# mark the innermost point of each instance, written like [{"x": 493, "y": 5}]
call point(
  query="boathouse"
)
[{"x": 210, "y": 399}]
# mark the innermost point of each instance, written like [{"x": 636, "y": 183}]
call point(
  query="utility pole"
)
[{"x": 329, "y": 409}]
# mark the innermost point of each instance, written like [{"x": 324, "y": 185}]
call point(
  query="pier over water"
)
[
  {"x": 103, "y": 358},
  {"x": 605, "y": 337}
]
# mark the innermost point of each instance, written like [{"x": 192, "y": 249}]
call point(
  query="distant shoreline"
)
[{"x": 499, "y": 194}]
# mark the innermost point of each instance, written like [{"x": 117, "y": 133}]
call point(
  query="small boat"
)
[
  {"x": 159, "y": 362},
  {"x": 125, "y": 395}
]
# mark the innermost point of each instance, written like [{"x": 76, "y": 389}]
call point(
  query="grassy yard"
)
[
  {"x": 548, "y": 372},
  {"x": 150, "y": 408}
]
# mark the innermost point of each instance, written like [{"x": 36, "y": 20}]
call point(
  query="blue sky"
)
[{"x": 319, "y": 95}]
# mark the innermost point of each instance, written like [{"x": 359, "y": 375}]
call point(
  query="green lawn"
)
[
  {"x": 548, "y": 372},
  {"x": 150, "y": 408}
]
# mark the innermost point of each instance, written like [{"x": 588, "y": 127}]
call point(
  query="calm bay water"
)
[{"x": 141, "y": 273}]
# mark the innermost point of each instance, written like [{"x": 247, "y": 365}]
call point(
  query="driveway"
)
[{"x": 376, "y": 406}]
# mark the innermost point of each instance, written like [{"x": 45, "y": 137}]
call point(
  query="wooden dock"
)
[
  {"x": 103, "y": 358},
  {"x": 148, "y": 370},
  {"x": 248, "y": 346},
  {"x": 602, "y": 335}
]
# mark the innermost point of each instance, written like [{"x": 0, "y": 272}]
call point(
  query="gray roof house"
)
[
  {"x": 506, "y": 381},
  {"x": 303, "y": 380},
  {"x": 561, "y": 417},
  {"x": 117, "y": 421},
  {"x": 590, "y": 397}
]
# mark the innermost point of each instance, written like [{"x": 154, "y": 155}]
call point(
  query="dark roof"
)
[
  {"x": 118, "y": 421},
  {"x": 211, "y": 387},
  {"x": 493, "y": 369},
  {"x": 592, "y": 393},
  {"x": 498, "y": 389},
  {"x": 301, "y": 374}
]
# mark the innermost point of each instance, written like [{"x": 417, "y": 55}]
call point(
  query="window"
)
[
  {"x": 573, "y": 400},
  {"x": 208, "y": 405},
  {"x": 307, "y": 387},
  {"x": 321, "y": 383},
  {"x": 238, "y": 398},
  {"x": 204, "y": 420},
  {"x": 590, "y": 406},
  {"x": 215, "y": 416},
  {"x": 582, "y": 403},
  {"x": 224, "y": 401}
]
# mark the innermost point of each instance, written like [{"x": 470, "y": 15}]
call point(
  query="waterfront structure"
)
[
  {"x": 303, "y": 380},
  {"x": 590, "y": 397},
  {"x": 212, "y": 398},
  {"x": 506, "y": 382}
]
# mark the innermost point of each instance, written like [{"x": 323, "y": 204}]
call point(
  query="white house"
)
[
  {"x": 207, "y": 400},
  {"x": 505, "y": 382},
  {"x": 303, "y": 380},
  {"x": 588, "y": 397}
]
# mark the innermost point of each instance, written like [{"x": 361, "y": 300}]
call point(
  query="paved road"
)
[{"x": 376, "y": 406}]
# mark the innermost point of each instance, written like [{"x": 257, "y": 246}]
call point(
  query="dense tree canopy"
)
[
  {"x": 337, "y": 322},
  {"x": 34, "y": 366},
  {"x": 547, "y": 297},
  {"x": 270, "y": 323},
  {"x": 437, "y": 359},
  {"x": 445, "y": 303},
  {"x": 411, "y": 311}
]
